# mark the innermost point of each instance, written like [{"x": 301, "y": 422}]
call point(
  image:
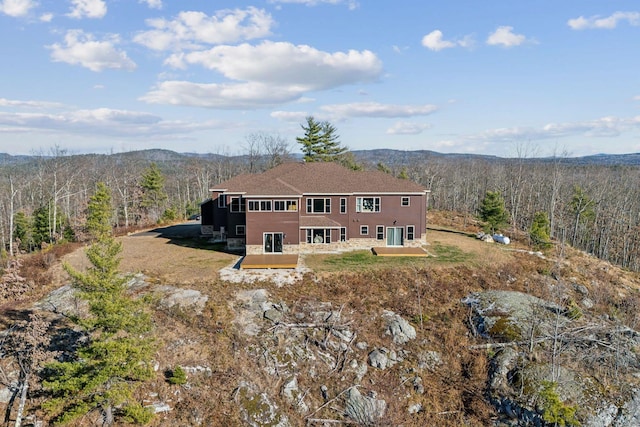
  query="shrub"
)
[{"x": 177, "y": 376}]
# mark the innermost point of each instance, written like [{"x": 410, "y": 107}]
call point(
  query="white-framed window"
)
[
  {"x": 222, "y": 201},
  {"x": 285, "y": 205},
  {"x": 241, "y": 230},
  {"x": 343, "y": 205},
  {"x": 411, "y": 232},
  {"x": 319, "y": 235},
  {"x": 380, "y": 232},
  {"x": 259, "y": 205},
  {"x": 367, "y": 204},
  {"x": 405, "y": 201},
  {"x": 364, "y": 230},
  {"x": 343, "y": 234},
  {"x": 237, "y": 204},
  {"x": 319, "y": 205}
]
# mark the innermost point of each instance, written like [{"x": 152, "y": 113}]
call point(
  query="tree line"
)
[{"x": 592, "y": 207}]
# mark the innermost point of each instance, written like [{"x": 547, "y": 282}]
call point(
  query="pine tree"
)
[
  {"x": 540, "y": 230},
  {"x": 153, "y": 192},
  {"x": 99, "y": 212},
  {"x": 320, "y": 142},
  {"x": 493, "y": 211},
  {"x": 116, "y": 357}
]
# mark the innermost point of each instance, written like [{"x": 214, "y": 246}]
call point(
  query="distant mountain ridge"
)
[{"x": 387, "y": 156}]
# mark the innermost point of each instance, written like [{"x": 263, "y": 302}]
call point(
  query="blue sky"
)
[{"x": 504, "y": 77}]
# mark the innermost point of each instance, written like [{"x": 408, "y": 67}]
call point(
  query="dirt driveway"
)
[{"x": 167, "y": 254}]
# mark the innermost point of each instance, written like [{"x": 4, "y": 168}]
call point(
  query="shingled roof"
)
[{"x": 296, "y": 179}]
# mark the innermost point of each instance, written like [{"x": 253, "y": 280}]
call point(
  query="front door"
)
[
  {"x": 272, "y": 243},
  {"x": 395, "y": 236}
]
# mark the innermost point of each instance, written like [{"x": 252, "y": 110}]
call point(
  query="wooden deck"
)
[
  {"x": 269, "y": 261},
  {"x": 399, "y": 251}
]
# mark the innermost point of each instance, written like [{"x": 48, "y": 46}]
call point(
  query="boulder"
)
[
  {"x": 364, "y": 410},
  {"x": 399, "y": 329}
]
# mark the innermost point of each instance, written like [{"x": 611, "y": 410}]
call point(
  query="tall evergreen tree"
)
[
  {"x": 493, "y": 211},
  {"x": 153, "y": 192},
  {"x": 540, "y": 230},
  {"x": 117, "y": 355},
  {"x": 320, "y": 142},
  {"x": 99, "y": 212}
]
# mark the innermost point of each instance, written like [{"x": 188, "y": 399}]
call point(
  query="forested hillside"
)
[{"x": 591, "y": 203}]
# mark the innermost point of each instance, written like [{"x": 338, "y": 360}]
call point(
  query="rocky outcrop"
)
[{"x": 536, "y": 342}]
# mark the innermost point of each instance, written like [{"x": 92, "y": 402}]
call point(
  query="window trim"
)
[
  {"x": 261, "y": 203},
  {"x": 410, "y": 232},
  {"x": 240, "y": 205},
  {"x": 343, "y": 234},
  {"x": 364, "y": 230},
  {"x": 244, "y": 230},
  {"x": 375, "y": 208},
  {"x": 343, "y": 205},
  {"x": 326, "y": 236},
  {"x": 379, "y": 232},
  {"x": 222, "y": 201},
  {"x": 406, "y": 199},
  {"x": 311, "y": 205},
  {"x": 286, "y": 204}
]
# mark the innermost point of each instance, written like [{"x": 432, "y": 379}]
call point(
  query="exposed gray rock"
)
[
  {"x": 365, "y": 410},
  {"x": 630, "y": 412},
  {"x": 257, "y": 409},
  {"x": 415, "y": 408},
  {"x": 429, "y": 360},
  {"x": 399, "y": 329},
  {"x": 382, "y": 358},
  {"x": 273, "y": 315},
  {"x": 293, "y": 395},
  {"x": 159, "y": 407},
  {"x": 250, "y": 308},
  {"x": 186, "y": 299}
]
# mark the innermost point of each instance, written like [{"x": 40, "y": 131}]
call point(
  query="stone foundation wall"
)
[{"x": 317, "y": 248}]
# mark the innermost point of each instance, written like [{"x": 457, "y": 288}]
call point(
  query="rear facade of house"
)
[{"x": 315, "y": 207}]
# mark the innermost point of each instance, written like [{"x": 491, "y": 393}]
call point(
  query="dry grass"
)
[{"x": 426, "y": 292}]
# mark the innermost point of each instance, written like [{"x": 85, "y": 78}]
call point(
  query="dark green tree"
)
[
  {"x": 116, "y": 358},
  {"x": 320, "y": 142},
  {"x": 154, "y": 195},
  {"x": 99, "y": 212},
  {"x": 493, "y": 212},
  {"x": 540, "y": 230},
  {"x": 23, "y": 231}
]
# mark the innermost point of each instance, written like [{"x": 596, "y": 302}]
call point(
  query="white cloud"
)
[
  {"x": 191, "y": 29},
  {"x": 153, "y": 4},
  {"x": 299, "y": 68},
  {"x": 504, "y": 36},
  {"x": 374, "y": 109},
  {"x": 46, "y": 17},
  {"x": 602, "y": 127},
  {"x": 636, "y": 98},
  {"x": 223, "y": 96},
  {"x": 434, "y": 41},
  {"x": 101, "y": 121},
  {"x": 17, "y": 8},
  {"x": 82, "y": 49},
  {"x": 407, "y": 128},
  {"x": 28, "y": 104},
  {"x": 352, "y": 4},
  {"x": 264, "y": 75},
  {"x": 608, "y": 23},
  {"x": 87, "y": 9}
]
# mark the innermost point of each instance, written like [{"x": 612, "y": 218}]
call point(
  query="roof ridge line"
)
[{"x": 281, "y": 181}]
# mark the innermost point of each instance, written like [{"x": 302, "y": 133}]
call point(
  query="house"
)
[{"x": 315, "y": 207}]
